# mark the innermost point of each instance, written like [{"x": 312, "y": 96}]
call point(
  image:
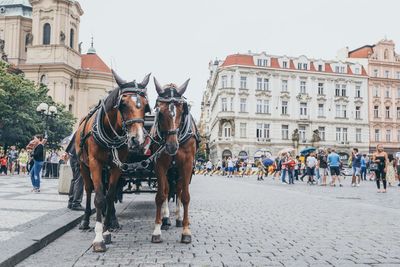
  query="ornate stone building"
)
[
  {"x": 41, "y": 37},
  {"x": 383, "y": 66},
  {"x": 256, "y": 103}
]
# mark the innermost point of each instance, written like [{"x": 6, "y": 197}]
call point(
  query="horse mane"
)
[{"x": 111, "y": 99}]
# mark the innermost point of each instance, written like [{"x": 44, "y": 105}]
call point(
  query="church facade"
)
[{"x": 41, "y": 38}]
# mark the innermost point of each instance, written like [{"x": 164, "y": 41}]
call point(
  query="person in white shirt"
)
[
  {"x": 311, "y": 164},
  {"x": 209, "y": 168},
  {"x": 231, "y": 166}
]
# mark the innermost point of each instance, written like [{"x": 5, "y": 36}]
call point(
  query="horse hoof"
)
[
  {"x": 84, "y": 225},
  {"x": 156, "y": 239},
  {"x": 115, "y": 225},
  {"x": 99, "y": 247},
  {"x": 186, "y": 239},
  {"x": 107, "y": 238},
  {"x": 166, "y": 223},
  {"x": 179, "y": 223}
]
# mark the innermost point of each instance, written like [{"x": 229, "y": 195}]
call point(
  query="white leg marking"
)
[
  {"x": 178, "y": 213},
  {"x": 165, "y": 209},
  {"x": 157, "y": 229},
  {"x": 98, "y": 229}
]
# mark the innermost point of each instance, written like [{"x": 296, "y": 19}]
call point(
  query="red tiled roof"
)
[
  {"x": 349, "y": 71},
  {"x": 94, "y": 62},
  {"x": 274, "y": 63},
  {"x": 363, "y": 72},
  {"x": 312, "y": 68},
  {"x": 238, "y": 59},
  {"x": 361, "y": 52},
  {"x": 328, "y": 67},
  {"x": 291, "y": 65}
]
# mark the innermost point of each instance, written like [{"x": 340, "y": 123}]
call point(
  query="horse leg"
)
[
  {"x": 161, "y": 197},
  {"x": 186, "y": 175},
  {"x": 84, "y": 225},
  {"x": 99, "y": 202},
  {"x": 112, "y": 186},
  {"x": 178, "y": 208},
  {"x": 166, "y": 222}
]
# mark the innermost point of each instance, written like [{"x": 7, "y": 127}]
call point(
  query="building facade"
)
[
  {"x": 383, "y": 66},
  {"x": 257, "y": 103},
  {"x": 41, "y": 38}
]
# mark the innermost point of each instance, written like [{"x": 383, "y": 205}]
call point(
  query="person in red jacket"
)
[{"x": 3, "y": 164}]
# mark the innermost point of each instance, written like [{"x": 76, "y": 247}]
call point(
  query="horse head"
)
[
  {"x": 171, "y": 106},
  {"x": 132, "y": 105}
]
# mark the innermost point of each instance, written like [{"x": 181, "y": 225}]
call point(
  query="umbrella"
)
[
  {"x": 307, "y": 150},
  {"x": 286, "y": 150},
  {"x": 268, "y": 162}
]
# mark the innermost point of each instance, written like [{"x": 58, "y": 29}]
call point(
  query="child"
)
[{"x": 3, "y": 164}]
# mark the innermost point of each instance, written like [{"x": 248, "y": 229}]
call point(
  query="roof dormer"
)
[
  {"x": 302, "y": 63},
  {"x": 262, "y": 60}
]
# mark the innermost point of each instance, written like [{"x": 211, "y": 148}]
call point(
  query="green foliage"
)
[{"x": 19, "y": 121}]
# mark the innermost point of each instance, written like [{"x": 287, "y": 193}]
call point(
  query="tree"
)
[{"x": 19, "y": 121}]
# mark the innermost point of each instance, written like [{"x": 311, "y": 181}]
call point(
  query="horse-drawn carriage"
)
[{"x": 120, "y": 145}]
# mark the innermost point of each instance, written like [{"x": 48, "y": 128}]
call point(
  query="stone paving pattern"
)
[{"x": 242, "y": 222}]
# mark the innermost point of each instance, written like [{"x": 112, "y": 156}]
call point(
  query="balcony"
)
[{"x": 263, "y": 140}]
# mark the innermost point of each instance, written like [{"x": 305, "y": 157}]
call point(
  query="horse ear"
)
[
  {"x": 118, "y": 79},
  {"x": 158, "y": 87},
  {"x": 181, "y": 90},
  {"x": 145, "y": 81}
]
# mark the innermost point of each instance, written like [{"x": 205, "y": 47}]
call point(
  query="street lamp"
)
[{"x": 46, "y": 112}]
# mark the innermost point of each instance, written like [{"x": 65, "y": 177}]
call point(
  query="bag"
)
[{"x": 373, "y": 166}]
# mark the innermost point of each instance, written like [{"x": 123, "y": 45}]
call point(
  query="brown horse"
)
[
  {"x": 102, "y": 140},
  {"x": 174, "y": 128}
]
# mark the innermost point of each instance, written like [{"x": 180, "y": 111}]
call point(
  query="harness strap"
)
[{"x": 108, "y": 119}]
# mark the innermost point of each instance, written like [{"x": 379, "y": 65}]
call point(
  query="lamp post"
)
[{"x": 46, "y": 112}]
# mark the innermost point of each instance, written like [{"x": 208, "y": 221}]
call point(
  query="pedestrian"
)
[
  {"x": 38, "y": 159},
  {"x": 219, "y": 166},
  {"x": 364, "y": 167},
  {"x": 291, "y": 164},
  {"x": 297, "y": 168},
  {"x": 12, "y": 156},
  {"x": 334, "y": 166},
  {"x": 3, "y": 164},
  {"x": 356, "y": 166},
  {"x": 390, "y": 173},
  {"x": 209, "y": 166},
  {"x": 76, "y": 188},
  {"x": 311, "y": 164},
  {"x": 322, "y": 166},
  {"x": 379, "y": 163},
  {"x": 231, "y": 166}
]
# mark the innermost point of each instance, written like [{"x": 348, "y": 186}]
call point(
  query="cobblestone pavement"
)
[
  {"x": 21, "y": 209},
  {"x": 242, "y": 222}
]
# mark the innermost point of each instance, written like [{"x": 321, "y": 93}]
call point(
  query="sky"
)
[{"x": 176, "y": 39}]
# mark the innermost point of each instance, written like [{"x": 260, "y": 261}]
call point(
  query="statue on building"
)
[
  {"x": 29, "y": 39},
  {"x": 315, "y": 137},
  {"x": 80, "y": 47},
  {"x": 295, "y": 135},
  {"x": 62, "y": 37},
  {"x": 3, "y": 54}
]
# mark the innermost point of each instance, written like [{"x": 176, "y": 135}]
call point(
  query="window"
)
[
  {"x": 376, "y": 92},
  {"x": 386, "y": 54},
  {"x": 398, "y": 112},
  {"x": 302, "y": 133},
  {"x": 224, "y": 81},
  {"x": 303, "y": 109},
  {"x": 388, "y": 135},
  {"x": 337, "y": 89},
  {"x": 377, "y": 135},
  {"x": 232, "y": 81},
  {"x": 284, "y": 107},
  {"x": 387, "y": 74},
  {"x": 284, "y": 64},
  {"x": 321, "y": 131},
  {"x": 357, "y": 70},
  {"x": 358, "y": 135},
  {"x": 266, "y": 84},
  {"x": 338, "y": 134},
  {"x": 224, "y": 105},
  {"x": 320, "y": 88},
  {"x": 387, "y": 112},
  {"x": 285, "y": 132},
  {"x": 305, "y": 66},
  {"x": 387, "y": 92},
  {"x": 376, "y": 111},
  {"x": 344, "y": 90},
  {"x": 337, "y": 69},
  {"x": 375, "y": 73},
  {"x": 259, "y": 62},
  {"x": 227, "y": 130},
  {"x": 344, "y": 111},
  {"x": 358, "y": 90},
  {"x": 243, "y": 130},
  {"x": 243, "y": 104},
  {"x": 342, "y": 69},
  {"x": 259, "y": 83},
  {"x": 338, "y": 111},
  {"x": 299, "y": 66},
  {"x": 46, "y": 33},
  {"x": 341, "y": 111},
  {"x": 71, "y": 38},
  {"x": 284, "y": 85},
  {"x": 259, "y": 105},
  {"x": 320, "y": 110},
  {"x": 262, "y": 62},
  {"x": 398, "y": 135},
  {"x": 398, "y": 75},
  {"x": 266, "y": 107},
  {"x": 262, "y": 130},
  {"x": 302, "y": 66},
  {"x": 243, "y": 82},
  {"x": 319, "y": 67},
  {"x": 358, "y": 112},
  {"x": 232, "y": 102},
  {"x": 302, "y": 87},
  {"x": 398, "y": 92},
  {"x": 344, "y": 134}
]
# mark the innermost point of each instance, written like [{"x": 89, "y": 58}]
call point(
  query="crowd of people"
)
[{"x": 322, "y": 166}]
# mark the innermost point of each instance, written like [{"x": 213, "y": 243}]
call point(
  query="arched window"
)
[
  {"x": 71, "y": 38},
  {"x": 227, "y": 130},
  {"x": 386, "y": 54},
  {"x": 46, "y": 33}
]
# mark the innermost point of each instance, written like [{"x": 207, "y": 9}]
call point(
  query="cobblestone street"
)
[{"x": 242, "y": 222}]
